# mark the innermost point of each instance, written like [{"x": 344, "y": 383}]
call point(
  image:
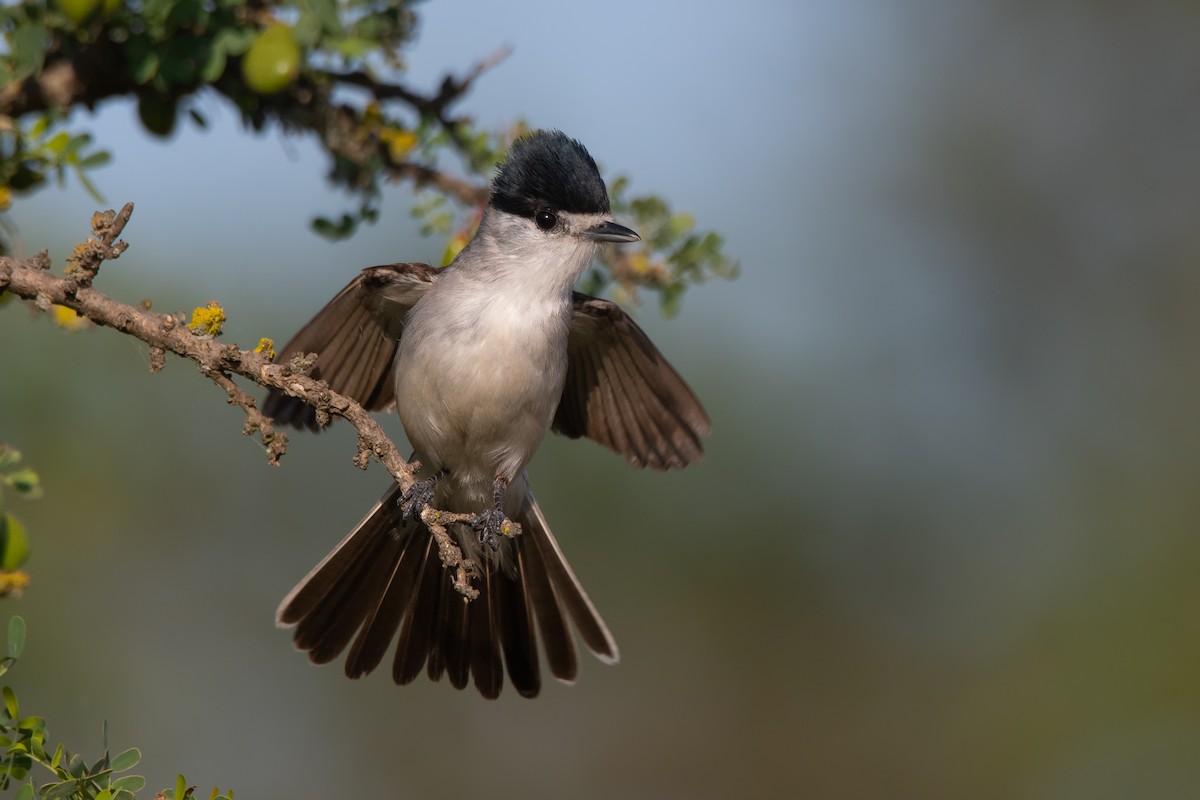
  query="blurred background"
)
[{"x": 945, "y": 539}]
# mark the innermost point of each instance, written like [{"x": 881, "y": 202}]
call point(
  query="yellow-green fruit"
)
[
  {"x": 78, "y": 10},
  {"x": 14, "y": 543},
  {"x": 273, "y": 61}
]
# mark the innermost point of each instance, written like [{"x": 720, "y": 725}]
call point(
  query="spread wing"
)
[
  {"x": 621, "y": 392},
  {"x": 355, "y": 338}
]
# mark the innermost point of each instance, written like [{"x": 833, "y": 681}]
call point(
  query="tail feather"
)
[
  {"x": 381, "y": 624},
  {"x": 557, "y": 641},
  {"x": 486, "y": 667},
  {"x": 385, "y": 576},
  {"x": 517, "y": 634},
  {"x": 567, "y": 587},
  {"x": 417, "y": 632}
]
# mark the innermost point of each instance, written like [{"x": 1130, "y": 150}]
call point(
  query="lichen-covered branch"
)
[{"x": 32, "y": 280}]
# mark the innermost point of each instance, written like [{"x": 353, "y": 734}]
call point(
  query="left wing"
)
[
  {"x": 621, "y": 392},
  {"x": 355, "y": 338}
]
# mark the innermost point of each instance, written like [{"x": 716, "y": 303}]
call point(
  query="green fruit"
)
[
  {"x": 273, "y": 61},
  {"x": 14, "y": 543},
  {"x": 78, "y": 10}
]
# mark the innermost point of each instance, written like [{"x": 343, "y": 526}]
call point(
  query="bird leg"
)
[
  {"x": 491, "y": 523},
  {"x": 414, "y": 500}
]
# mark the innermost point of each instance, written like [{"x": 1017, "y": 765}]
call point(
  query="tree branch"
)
[{"x": 31, "y": 279}]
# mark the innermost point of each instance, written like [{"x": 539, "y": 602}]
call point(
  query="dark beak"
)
[{"x": 609, "y": 231}]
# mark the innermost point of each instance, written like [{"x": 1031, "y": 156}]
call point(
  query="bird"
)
[{"x": 481, "y": 358}]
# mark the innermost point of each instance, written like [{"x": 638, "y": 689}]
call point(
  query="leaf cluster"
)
[
  {"x": 14, "y": 539},
  {"x": 343, "y": 90},
  {"x": 24, "y": 740}
]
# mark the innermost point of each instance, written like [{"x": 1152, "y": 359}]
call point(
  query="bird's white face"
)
[{"x": 547, "y": 253}]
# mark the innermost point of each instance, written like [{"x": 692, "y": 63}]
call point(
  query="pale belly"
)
[{"x": 482, "y": 413}]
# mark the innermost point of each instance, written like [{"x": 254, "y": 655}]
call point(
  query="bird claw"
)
[
  {"x": 418, "y": 496},
  {"x": 488, "y": 525}
]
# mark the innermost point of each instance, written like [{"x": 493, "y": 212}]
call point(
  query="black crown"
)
[{"x": 549, "y": 171}]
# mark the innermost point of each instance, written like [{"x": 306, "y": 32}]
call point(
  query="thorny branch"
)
[{"x": 31, "y": 279}]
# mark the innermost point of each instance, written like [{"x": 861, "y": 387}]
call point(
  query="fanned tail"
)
[{"x": 385, "y": 577}]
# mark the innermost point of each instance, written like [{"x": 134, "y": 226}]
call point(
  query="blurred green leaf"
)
[
  {"x": 16, "y": 636},
  {"x": 142, "y": 59},
  {"x": 32, "y": 724},
  {"x": 10, "y": 702},
  {"x": 24, "y": 481},
  {"x": 28, "y": 43},
  {"x": 331, "y": 230}
]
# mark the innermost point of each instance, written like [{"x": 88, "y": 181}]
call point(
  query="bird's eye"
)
[{"x": 545, "y": 219}]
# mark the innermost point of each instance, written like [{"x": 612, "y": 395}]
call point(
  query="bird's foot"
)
[
  {"x": 488, "y": 525},
  {"x": 492, "y": 523},
  {"x": 418, "y": 496}
]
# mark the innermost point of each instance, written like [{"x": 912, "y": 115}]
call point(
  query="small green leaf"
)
[
  {"x": 16, "y": 636},
  {"x": 25, "y": 792},
  {"x": 32, "y": 724},
  {"x": 25, "y": 481},
  {"x": 88, "y": 186},
  {"x": 28, "y": 43},
  {"x": 62, "y": 789},
  {"x": 330, "y": 230},
  {"x": 76, "y": 766},
  {"x": 157, "y": 113},
  {"x": 105, "y": 794},
  {"x": 234, "y": 41},
  {"x": 126, "y": 760},
  {"x": 37, "y": 742},
  {"x": 97, "y": 158},
  {"x": 180, "y": 788},
  {"x": 129, "y": 783},
  {"x": 9, "y": 456},
  {"x": 142, "y": 58},
  {"x": 57, "y": 144},
  {"x": 10, "y": 702},
  {"x": 213, "y": 66},
  {"x": 57, "y": 759},
  {"x": 101, "y": 764},
  {"x": 326, "y": 12}
]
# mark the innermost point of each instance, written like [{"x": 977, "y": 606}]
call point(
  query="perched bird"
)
[{"x": 481, "y": 358}]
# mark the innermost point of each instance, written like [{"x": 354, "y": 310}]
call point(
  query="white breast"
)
[{"x": 479, "y": 374}]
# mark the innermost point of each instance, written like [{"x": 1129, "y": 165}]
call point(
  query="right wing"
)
[{"x": 355, "y": 338}]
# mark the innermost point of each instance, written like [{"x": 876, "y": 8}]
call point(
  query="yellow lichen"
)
[
  {"x": 266, "y": 347},
  {"x": 207, "y": 320}
]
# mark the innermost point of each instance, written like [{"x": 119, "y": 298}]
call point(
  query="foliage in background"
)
[
  {"x": 24, "y": 738},
  {"x": 321, "y": 68},
  {"x": 14, "y": 539},
  {"x": 24, "y": 743}
]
